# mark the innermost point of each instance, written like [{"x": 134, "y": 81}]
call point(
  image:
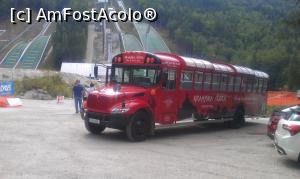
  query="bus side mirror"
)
[{"x": 298, "y": 94}]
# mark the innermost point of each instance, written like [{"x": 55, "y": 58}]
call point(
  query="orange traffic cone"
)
[{"x": 60, "y": 99}]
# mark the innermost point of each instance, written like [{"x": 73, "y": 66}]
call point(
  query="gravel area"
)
[{"x": 43, "y": 139}]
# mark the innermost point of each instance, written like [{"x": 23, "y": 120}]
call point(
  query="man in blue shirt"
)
[{"x": 77, "y": 94}]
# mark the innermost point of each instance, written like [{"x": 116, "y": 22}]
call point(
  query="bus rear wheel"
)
[
  {"x": 238, "y": 119},
  {"x": 138, "y": 127},
  {"x": 93, "y": 128}
]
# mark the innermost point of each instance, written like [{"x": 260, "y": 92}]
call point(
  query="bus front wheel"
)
[
  {"x": 93, "y": 128},
  {"x": 138, "y": 127}
]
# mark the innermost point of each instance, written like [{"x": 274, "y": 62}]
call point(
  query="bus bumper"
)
[{"x": 115, "y": 121}]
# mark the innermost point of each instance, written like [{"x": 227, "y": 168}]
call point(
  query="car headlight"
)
[{"x": 120, "y": 110}]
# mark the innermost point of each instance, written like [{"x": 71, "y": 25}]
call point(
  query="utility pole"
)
[
  {"x": 109, "y": 45},
  {"x": 104, "y": 31}
]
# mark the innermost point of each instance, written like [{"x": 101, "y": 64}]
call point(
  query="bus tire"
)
[
  {"x": 93, "y": 128},
  {"x": 138, "y": 127},
  {"x": 238, "y": 118}
]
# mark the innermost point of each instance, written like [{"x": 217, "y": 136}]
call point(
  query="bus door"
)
[{"x": 168, "y": 98}]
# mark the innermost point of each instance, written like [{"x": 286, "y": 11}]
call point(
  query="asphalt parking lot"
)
[{"x": 43, "y": 139}]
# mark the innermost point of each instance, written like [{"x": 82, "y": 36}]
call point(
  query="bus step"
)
[{"x": 191, "y": 122}]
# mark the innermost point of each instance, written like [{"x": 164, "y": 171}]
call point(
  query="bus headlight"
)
[{"x": 120, "y": 110}]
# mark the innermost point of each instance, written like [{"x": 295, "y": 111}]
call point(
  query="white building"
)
[{"x": 85, "y": 69}]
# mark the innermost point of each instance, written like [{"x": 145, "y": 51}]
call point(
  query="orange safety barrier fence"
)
[
  {"x": 3, "y": 102},
  {"x": 282, "y": 98},
  {"x": 6, "y": 102}
]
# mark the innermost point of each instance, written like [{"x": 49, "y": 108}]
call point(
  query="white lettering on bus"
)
[
  {"x": 139, "y": 57},
  {"x": 171, "y": 63},
  {"x": 203, "y": 99},
  {"x": 206, "y": 99},
  {"x": 221, "y": 98},
  {"x": 134, "y": 59}
]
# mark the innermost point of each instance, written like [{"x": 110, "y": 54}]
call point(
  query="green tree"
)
[{"x": 70, "y": 38}]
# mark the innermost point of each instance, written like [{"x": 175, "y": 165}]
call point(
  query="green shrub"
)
[
  {"x": 53, "y": 85},
  {"x": 270, "y": 109}
]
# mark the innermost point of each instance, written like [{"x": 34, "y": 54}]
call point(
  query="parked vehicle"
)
[
  {"x": 287, "y": 137},
  {"x": 276, "y": 116},
  {"x": 149, "y": 91}
]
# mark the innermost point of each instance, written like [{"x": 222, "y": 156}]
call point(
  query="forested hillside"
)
[
  {"x": 70, "y": 38},
  {"x": 254, "y": 33}
]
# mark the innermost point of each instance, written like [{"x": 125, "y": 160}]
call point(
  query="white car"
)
[{"x": 287, "y": 137}]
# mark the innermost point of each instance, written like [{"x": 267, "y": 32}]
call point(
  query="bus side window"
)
[
  {"x": 237, "y": 84},
  {"x": 198, "y": 80},
  {"x": 249, "y": 84},
  {"x": 169, "y": 79},
  {"x": 187, "y": 80},
  {"x": 265, "y": 86},
  {"x": 126, "y": 75},
  {"x": 207, "y": 81},
  {"x": 244, "y": 84},
  {"x": 260, "y": 86},
  {"x": 255, "y": 86},
  {"x": 216, "y": 82},
  {"x": 224, "y": 81},
  {"x": 230, "y": 83}
]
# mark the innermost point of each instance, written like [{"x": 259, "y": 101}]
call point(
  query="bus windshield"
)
[{"x": 139, "y": 76}]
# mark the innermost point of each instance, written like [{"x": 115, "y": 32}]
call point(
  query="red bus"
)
[{"x": 147, "y": 91}]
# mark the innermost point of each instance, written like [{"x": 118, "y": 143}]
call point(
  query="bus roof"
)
[
  {"x": 244, "y": 70},
  {"x": 198, "y": 63},
  {"x": 174, "y": 60},
  {"x": 261, "y": 74},
  {"x": 227, "y": 68},
  {"x": 204, "y": 64}
]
